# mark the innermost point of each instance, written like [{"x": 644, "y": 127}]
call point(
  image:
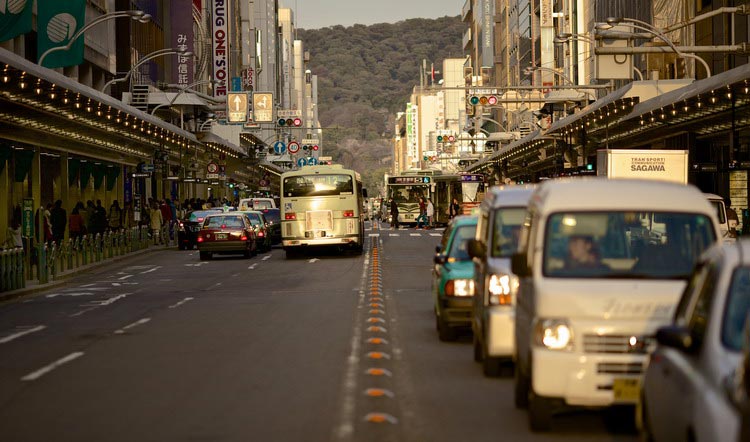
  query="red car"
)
[{"x": 226, "y": 233}]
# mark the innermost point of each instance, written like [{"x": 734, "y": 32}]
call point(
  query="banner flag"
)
[
  {"x": 57, "y": 22},
  {"x": 15, "y": 18}
]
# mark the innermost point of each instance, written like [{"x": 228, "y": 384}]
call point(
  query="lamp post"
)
[
  {"x": 182, "y": 91},
  {"x": 140, "y": 16},
  {"x": 651, "y": 29},
  {"x": 148, "y": 57}
]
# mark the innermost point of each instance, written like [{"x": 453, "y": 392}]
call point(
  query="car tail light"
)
[
  {"x": 223, "y": 226},
  {"x": 290, "y": 216},
  {"x": 200, "y": 220},
  {"x": 459, "y": 287},
  {"x": 181, "y": 227},
  {"x": 348, "y": 213},
  {"x": 261, "y": 234},
  {"x": 200, "y": 239},
  {"x": 243, "y": 238}
]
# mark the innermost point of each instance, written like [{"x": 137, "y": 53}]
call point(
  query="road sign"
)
[
  {"x": 263, "y": 107},
  {"x": 293, "y": 147},
  {"x": 312, "y": 161},
  {"x": 147, "y": 168},
  {"x": 288, "y": 113},
  {"x": 212, "y": 176},
  {"x": 310, "y": 141},
  {"x": 237, "y": 107},
  {"x": 279, "y": 147},
  {"x": 301, "y": 162},
  {"x": 28, "y": 217},
  {"x": 212, "y": 167},
  {"x": 322, "y": 158}
]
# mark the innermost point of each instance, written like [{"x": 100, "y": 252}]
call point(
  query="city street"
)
[{"x": 163, "y": 347}]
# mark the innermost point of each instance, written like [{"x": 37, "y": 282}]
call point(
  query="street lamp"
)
[
  {"x": 651, "y": 29},
  {"x": 140, "y": 16},
  {"x": 151, "y": 56},
  {"x": 183, "y": 90}
]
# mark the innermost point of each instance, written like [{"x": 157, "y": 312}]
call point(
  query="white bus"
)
[{"x": 322, "y": 206}]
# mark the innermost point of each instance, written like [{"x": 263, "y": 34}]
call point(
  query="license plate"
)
[
  {"x": 222, "y": 236},
  {"x": 627, "y": 390}
]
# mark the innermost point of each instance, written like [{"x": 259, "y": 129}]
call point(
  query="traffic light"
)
[
  {"x": 282, "y": 122},
  {"x": 315, "y": 147},
  {"x": 440, "y": 138},
  {"x": 297, "y": 122},
  {"x": 589, "y": 167},
  {"x": 484, "y": 100}
]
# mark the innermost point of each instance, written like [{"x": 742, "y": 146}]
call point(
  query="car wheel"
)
[
  {"x": 445, "y": 332},
  {"x": 540, "y": 412},
  {"x": 477, "y": 349},
  {"x": 521, "y": 389},
  {"x": 205, "y": 256}
]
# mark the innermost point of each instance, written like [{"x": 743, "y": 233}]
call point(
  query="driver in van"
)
[{"x": 583, "y": 254}]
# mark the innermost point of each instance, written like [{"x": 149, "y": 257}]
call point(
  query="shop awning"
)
[{"x": 223, "y": 145}]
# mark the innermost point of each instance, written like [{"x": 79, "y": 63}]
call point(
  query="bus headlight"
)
[
  {"x": 459, "y": 287},
  {"x": 554, "y": 334}
]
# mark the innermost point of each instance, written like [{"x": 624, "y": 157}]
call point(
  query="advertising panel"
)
[
  {"x": 220, "y": 34},
  {"x": 181, "y": 16}
]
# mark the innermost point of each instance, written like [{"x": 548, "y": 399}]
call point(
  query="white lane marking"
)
[
  {"x": 44, "y": 370},
  {"x": 394, "y": 234},
  {"x": 374, "y": 235},
  {"x": 235, "y": 275},
  {"x": 86, "y": 310},
  {"x": 125, "y": 277},
  {"x": 181, "y": 302},
  {"x": 197, "y": 264},
  {"x": 54, "y": 295},
  {"x": 116, "y": 284},
  {"x": 435, "y": 234},
  {"x": 415, "y": 234},
  {"x": 135, "y": 324},
  {"x": 151, "y": 270},
  {"x": 214, "y": 286},
  {"x": 266, "y": 258},
  {"x": 86, "y": 285},
  {"x": 252, "y": 267},
  {"x": 7, "y": 339},
  {"x": 313, "y": 260},
  {"x": 99, "y": 303},
  {"x": 90, "y": 289}
]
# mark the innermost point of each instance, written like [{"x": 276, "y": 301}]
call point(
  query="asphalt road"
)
[{"x": 326, "y": 347}]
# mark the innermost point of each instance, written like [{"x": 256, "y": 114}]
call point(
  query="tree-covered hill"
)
[{"x": 365, "y": 75}]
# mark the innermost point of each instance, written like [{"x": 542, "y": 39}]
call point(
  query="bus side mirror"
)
[{"x": 364, "y": 193}]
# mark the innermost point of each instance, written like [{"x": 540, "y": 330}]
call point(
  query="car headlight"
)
[
  {"x": 554, "y": 334},
  {"x": 459, "y": 287},
  {"x": 502, "y": 288}
]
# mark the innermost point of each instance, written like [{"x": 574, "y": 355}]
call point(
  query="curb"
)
[{"x": 34, "y": 287}]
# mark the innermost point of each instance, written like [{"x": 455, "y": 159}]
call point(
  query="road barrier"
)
[{"x": 50, "y": 260}]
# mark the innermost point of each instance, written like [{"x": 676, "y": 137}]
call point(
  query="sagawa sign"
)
[{"x": 220, "y": 14}]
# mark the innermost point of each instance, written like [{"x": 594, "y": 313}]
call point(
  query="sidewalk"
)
[{"x": 34, "y": 286}]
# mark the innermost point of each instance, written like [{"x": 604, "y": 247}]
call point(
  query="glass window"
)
[
  {"x": 653, "y": 245},
  {"x": 254, "y": 219},
  {"x": 686, "y": 300},
  {"x": 698, "y": 322},
  {"x": 736, "y": 310},
  {"x": 507, "y": 231},
  {"x": 459, "y": 248},
  {"x": 318, "y": 185},
  {"x": 720, "y": 213},
  {"x": 224, "y": 222},
  {"x": 408, "y": 194}
]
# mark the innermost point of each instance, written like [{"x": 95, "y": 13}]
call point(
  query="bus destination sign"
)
[
  {"x": 472, "y": 178},
  {"x": 409, "y": 180}
]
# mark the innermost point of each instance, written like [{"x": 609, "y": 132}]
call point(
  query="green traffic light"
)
[
  {"x": 474, "y": 100},
  {"x": 440, "y": 138},
  {"x": 282, "y": 122},
  {"x": 589, "y": 166}
]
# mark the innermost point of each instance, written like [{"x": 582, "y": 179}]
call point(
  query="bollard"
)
[
  {"x": 41, "y": 266},
  {"x": 4, "y": 271},
  {"x": 52, "y": 261},
  {"x": 20, "y": 268}
]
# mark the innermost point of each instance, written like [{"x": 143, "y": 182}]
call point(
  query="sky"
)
[{"x": 314, "y": 14}]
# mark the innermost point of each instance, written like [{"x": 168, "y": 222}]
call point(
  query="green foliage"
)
[{"x": 365, "y": 75}]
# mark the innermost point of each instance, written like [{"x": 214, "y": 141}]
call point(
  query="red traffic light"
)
[
  {"x": 315, "y": 147},
  {"x": 297, "y": 122}
]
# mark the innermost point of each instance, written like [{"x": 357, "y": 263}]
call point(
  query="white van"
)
[
  {"x": 728, "y": 232},
  {"x": 257, "y": 204},
  {"x": 501, "y": 216},
  {"x": 601, "y": 264}
]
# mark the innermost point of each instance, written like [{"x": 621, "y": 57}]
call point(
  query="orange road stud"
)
[
  {"x": 378, "y": 355},
  {"x": 377, "y": 311},
  {"x": 380, "y": 418},
  {"x": 379, "y": 392},
  {"x": 378, "y": 372},
  {"x": 376, "y": 329},
  {"x": 373, "y": 320},
  {"x": 377, "y": 341}
]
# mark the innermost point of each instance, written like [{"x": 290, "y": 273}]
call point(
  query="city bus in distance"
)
[
  {"x": 322, "y": 206},
  {"x": 405, "y": 191},
  {"x": 467, "y": 188}
]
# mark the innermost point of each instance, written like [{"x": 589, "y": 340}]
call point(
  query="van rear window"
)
[{"x": 318, "y": 185}]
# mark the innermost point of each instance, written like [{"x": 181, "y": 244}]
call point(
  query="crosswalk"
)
[{"x": 407, "y": 232}]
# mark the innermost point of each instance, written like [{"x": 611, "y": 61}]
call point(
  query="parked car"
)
[
  {"x": 273, "y": 217},
  {"x": 260, "y": 224},
  {"x": 453, "y": 278},
  {"x": 189, "y": 226},
  {"x": 689, "y": 386},
  {"x": 601, "y": 266},
  {"x": 226, "y": 233},
  {"x": 501, "y": 216}
]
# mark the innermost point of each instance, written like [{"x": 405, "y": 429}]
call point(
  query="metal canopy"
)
[
  {"x": 42, "y": 107},
  {"x": 223, "y": 144}
]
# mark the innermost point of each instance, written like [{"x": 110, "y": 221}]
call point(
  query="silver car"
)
[
  {"x": 687, "y": 391},
  {"x": 501, "y": 216}
]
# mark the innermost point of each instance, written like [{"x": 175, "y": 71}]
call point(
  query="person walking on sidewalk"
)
[
  {"x": 422, "y": 218},
  {"x": 394, "y": 213},
  {"x": 430, "y": 212}
]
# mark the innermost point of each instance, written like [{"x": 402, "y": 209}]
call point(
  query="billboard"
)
[
  {"x": 220, "y": 47},
  {"x": 181, "y": 18}
]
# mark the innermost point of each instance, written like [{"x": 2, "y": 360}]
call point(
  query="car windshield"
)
[
  {"x": 506, "y": 231},
  {"x": 459, "y": 250},
  {"x": 318, "y": 185},
  {"x": 223, "y": 222},
  {"x": 262, "y": 204},
  {"x": 736, "y": 310},
  {"x": 654, "y": 245},
  {"x": 272, "y": 215},
  {"x": 199, "y": 215}
]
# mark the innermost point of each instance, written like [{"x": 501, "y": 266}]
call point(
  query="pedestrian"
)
[
  {"x": 155, "y": 222},
  {"x": 14, "y": 235},
  {"x": 128, "y": 217},
  {"x": 76, "y": 223},
  {"x": 115, "y": 216},
  {"x": 430, "y": 212},
  {"x": 455, "y": 209},
  {"x": 100, "y": 218},
  {"x": 422, "y": 218},
  {"x": 394, "y": 213},
  {"x": 733, "y": 221},
  {"x": 58, "y": 220},
  {"x": 90, "y": 217}
]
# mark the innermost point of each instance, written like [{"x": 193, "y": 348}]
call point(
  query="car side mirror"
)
[
  {"x": 476, "y": 249},
  {"x": 519, "y": 265},
  {"x": 678, "y": 337},
  {"x": 440, "y": 259}
]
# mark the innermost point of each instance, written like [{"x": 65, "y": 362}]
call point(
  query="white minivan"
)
[
  {"x": 501, "y": 217},
  {"x": 601, "y": 265}
]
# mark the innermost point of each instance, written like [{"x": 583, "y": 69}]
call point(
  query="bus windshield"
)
[
  {"x": 408, "y": 194},
  {"x": 318, "y": 185}
]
